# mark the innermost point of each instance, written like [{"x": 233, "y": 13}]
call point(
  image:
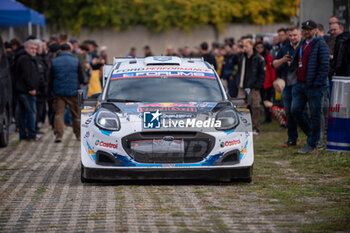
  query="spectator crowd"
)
[{"x": 287, "y": 80}]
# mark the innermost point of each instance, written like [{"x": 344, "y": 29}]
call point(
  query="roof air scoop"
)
[{"x": 165, "y": 61}]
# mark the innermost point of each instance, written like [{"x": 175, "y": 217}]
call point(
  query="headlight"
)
[
  {"x": 107, "y": 120},
  {"x": 228, "y": 118}
]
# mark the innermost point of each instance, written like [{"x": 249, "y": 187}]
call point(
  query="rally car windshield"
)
[{"x": 164, "y": 89}]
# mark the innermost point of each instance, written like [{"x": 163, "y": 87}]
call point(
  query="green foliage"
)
[{"x": 161, "y": 15}]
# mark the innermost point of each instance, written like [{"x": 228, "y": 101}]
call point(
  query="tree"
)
[{"x": 161, "y": 15}]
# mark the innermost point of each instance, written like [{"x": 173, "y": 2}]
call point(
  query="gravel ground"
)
[{"x": 40, "y": 190}]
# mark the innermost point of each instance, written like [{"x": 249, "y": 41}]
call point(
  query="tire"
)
[
  {"x": 245, "y": 175},
  {"x": 247, "y": 180},
  {"x": 4, "y": 129},
  {"x": 82, "y": 178},
  {"x": 249, "y": 172}
]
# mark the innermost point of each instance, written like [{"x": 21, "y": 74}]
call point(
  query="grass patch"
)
[
  {"x": 15, "y": 143},
  {"x": 215, "y": 208},
  {"x": 120, "y": 198},
  {"x": 177, "y": 214},
  {"x": 313, "y": 186},
  {"x": 95, "y": 217},
  {"x": 339, "y": 221},
  {"x": 40, "y": 190}
]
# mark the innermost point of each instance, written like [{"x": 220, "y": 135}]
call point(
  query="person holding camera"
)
[{"x": 282, "y": 65}]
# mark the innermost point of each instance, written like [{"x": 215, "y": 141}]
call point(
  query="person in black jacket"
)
[
  {"x": 341, "y": 36},
  {"x": 250, "y": 77},
  {"x": 43, "y": 86},
  {"x": 26, "y": 86},
  {"x": 208, "y": 57},
  {"x": 344, "y": 65},
  {"x": 228, "y": 70}
]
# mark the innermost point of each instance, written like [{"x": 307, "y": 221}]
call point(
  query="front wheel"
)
[
  {"x": 82, "y": 178},
  {"x": 245, "y": 175},
  {"x": 4, "y": 129},
  {"x": 247, "y": 180}
]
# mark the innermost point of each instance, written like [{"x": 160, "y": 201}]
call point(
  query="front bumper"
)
[{"x": 218, "y": 173}]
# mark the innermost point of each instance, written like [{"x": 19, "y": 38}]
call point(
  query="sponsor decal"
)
[
  {"x": 106, "y": 144},
  {"x": 244, "y": 150},
  {"x": 155, "y": 120},
  {"x": 163, "y": 68},
  {"x": 178, "y": 116},
  {"x": 336, "y": 108},
  {"x": 191, "y": 123},
  {"x": 167, "y": 105},
  {"x": 165, "y": 73},
  {"x": 91, "y": 152},
  {"x": 88, "y": 109},
  {"x": 167, "y": 109},
  {"x": 230, "y": 143},
  {"x": 87, "y": 134},
  {"x": 244, "y": 121},
  {"x": 243, "y": 111},
  {"x": 88, "y": 121},
  {"x": 151, "y": 119}
]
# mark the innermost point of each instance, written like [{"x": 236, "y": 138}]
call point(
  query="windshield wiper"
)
[{"x": 122, "y": 100}]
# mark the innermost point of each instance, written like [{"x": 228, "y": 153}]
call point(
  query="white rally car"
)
[{"x": 164, "y": 118}]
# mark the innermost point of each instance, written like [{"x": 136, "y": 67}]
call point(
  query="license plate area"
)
[
  {"x": 158, "y": 146},
  {"x": 158, "y": 151}
]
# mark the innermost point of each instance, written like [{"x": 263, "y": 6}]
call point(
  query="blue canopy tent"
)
[{"x": 14, "y": 14}]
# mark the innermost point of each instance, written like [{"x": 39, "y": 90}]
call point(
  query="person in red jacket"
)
[{"x": 267, "y": 90}]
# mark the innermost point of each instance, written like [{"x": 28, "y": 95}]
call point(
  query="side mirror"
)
[
  {"x": 106, "y": 70},
  {"x": 91, "y": 101},
  {"x": 80, "y": 97},
  {"x": 95, "y": 96},
  {"x": 239, "y": 102}
]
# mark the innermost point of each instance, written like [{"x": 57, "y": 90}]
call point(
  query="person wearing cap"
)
[
  {"x": 65, "y": 77},
  {"x": 92, "y": 49},
  {"x": 312, "y": 61}
]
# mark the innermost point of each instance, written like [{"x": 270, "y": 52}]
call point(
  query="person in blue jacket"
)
[
  {"x": 66, "y": 76},
  {"x": 312, "y": 60}
]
